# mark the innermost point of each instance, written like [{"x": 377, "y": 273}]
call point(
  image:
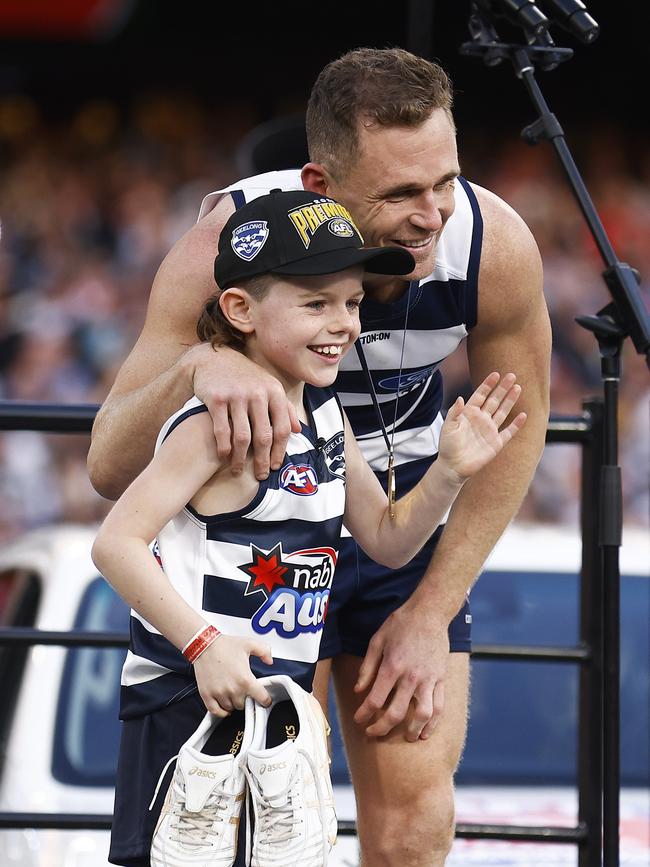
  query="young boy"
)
[{"x": 248, "y": 566}]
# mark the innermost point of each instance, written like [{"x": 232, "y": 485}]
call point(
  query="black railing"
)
[{"x": 585, "y": 430}]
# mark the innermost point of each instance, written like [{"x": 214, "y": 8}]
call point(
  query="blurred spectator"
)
[{"x": 89, "y": 208}]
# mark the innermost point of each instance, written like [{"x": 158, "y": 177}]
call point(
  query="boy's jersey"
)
[
  {"x": 442, "y": 309},
  {"x": 264, "y": 571}
]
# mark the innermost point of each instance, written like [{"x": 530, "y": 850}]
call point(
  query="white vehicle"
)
[{"x": 58, "y": 716}]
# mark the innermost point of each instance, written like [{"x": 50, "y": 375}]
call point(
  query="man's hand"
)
[
  {"x": 247, "y": 406},
  {"x": 404, "y": 668}
]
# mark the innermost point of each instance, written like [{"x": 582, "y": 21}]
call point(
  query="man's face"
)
[{"x": 400, "y": 190}]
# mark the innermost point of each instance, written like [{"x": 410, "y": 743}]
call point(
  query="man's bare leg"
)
[{"x": 404, "y": 791}]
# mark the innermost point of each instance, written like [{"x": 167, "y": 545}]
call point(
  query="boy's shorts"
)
[{"x": 147, "y": 744}]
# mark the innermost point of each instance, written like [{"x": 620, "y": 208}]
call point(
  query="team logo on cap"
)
[
  {"x": 249, "y": 238},
  {"x": 341, "y": 228}
]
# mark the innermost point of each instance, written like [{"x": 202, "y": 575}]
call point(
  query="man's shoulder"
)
[
  {"x": 504, "y": 230},
  {"x": 510, "y": 274},
  {"x": 247, "y": 189}
]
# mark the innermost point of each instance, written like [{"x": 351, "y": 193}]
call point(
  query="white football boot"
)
[
  {"x": 287, "y": 768},
  {"x": 199, "y": 820}
]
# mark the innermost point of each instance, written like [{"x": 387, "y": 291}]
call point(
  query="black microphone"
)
[
  {"x": 573, "y": 16},
  {"x": 522, "y": 13},
  {"x": 321, "y": 442}
]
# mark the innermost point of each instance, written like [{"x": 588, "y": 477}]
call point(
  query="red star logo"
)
[{"x": 266, "y": 570}]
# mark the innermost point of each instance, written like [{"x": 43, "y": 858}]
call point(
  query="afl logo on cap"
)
[
  {"x": 299, "y": 479},
  {"x": 340, "y": 228},
  {"x": 249, "y": 238}
]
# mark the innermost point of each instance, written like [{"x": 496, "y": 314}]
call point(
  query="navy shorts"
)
[
  {"x": 364, "y": 593},
  {"x": 147, "y": 743}
]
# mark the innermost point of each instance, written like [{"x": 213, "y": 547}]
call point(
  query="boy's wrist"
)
[
  {"x": 448, "y": 476},
  {"x": 200, "y": 641}
]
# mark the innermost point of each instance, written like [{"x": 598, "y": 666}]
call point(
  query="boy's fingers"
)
[
  {"x": 263, "y": 651},
  {"x": 515, "y": 426},
  {"x": 511, "y": 398},
  {"x": 499, "y": 393},
  {"x": 484, "y": 390},
  {"x": 259, "y": 693},
  {"x": 456, "y": 409},
  {"x": 215, "y": 708}
]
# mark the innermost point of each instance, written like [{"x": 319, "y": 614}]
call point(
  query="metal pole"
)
[{"x": 590, "y": 708}]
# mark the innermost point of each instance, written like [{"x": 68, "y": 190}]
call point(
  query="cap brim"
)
[{"x": 376, "y": 260}]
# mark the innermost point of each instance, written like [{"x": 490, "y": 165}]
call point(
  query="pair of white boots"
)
[{"x": 272, "y": 762}]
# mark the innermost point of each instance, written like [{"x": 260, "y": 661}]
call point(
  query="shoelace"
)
[
  {"x": 277, "y": 822},
  {"x": 191, "y": 825}
]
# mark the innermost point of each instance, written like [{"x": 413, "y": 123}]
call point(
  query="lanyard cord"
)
[{"x": 373, "y": 395}]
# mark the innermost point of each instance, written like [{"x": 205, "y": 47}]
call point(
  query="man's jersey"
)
[
  {"x": 264, "y": 571},
  {"x": 424, "y": 326}
]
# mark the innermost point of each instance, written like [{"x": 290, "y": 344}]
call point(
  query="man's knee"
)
[{"x": 413, "y": 831}]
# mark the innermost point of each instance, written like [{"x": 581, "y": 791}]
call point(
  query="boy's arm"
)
[
  {"x": 470, "y": 438},
  {"x": 165, "y": 368},
  {"x": 184, "y": 463}
]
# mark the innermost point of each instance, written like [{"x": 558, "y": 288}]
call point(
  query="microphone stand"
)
[{"x": 625, "y": 316}]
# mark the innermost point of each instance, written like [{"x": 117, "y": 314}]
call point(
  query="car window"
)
[{"x": 86, "y": 736}]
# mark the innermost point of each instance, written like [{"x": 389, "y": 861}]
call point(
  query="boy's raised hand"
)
[
  {"x": 224, "y": 675},
  {"x": 470, "y": 436}
]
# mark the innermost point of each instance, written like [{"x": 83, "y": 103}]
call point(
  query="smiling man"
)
[{"x": 382, "y": 142}]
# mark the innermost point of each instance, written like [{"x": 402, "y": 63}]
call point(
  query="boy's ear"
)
[{"x": 236, "y": 307}]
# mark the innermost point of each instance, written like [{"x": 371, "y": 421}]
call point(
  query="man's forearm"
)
[
  {"x": 125, "y": 429},
  {"x": 484, "y": 508}
]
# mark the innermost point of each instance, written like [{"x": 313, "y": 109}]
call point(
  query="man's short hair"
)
[{"x": 374, "y": 86}]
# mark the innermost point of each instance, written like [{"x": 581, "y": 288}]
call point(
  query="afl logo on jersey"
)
[
  {"x": 299, "y": 479},
  {"x": 340, "y": 228},
  {"x": 249, "y": 238}
]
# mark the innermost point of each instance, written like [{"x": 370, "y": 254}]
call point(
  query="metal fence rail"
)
[{"x": 585, "y": 430}]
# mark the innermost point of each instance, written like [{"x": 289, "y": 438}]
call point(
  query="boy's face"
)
[{"x": 305, "y": 325}]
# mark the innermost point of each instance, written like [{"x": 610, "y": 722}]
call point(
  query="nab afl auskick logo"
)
[{"x": 300, "y": 479}]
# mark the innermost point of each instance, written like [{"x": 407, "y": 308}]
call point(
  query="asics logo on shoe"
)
[
  {"x": 236, "y": 744},
  {"x": 201, "y": 772},
  {"x": 291, "y": 732},
  {"x": 278, "y": 766}
]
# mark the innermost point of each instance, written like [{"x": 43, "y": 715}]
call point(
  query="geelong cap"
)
[{"x": 298, "y": 233}]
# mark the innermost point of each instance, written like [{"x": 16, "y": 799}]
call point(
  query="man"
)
[{"x": 382, "y": 142}]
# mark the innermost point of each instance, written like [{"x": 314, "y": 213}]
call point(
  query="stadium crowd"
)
[{"x": 89, "y": 207}]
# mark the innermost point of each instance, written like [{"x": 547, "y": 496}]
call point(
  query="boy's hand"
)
[
  {"x": 224, "y": 675},
  {"x": 470, "y": 436}
]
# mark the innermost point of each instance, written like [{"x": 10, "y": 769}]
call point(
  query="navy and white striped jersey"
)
[
  {"x": 442, "y": 309},
  {"x": 265, "y": 570}
]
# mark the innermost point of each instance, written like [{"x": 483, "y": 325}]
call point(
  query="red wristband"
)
[{"x": 199, "y": 642}]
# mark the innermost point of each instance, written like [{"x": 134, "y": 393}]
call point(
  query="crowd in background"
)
[{"x": 89, "y": 207}]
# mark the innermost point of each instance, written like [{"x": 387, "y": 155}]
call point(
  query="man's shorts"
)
[
  {"x": 147, "y": 744},
  {"x": 365, "y": 594}
]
